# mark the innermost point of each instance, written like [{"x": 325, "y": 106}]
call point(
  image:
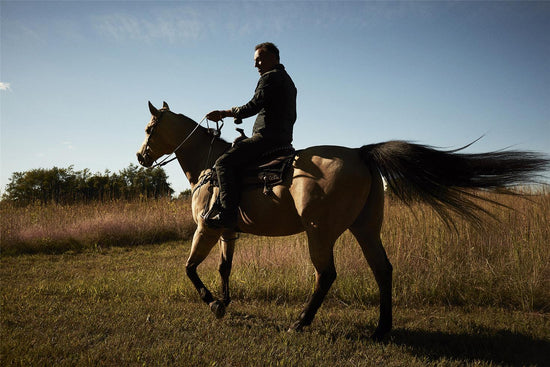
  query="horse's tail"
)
[{"x": 445, "y": 179}]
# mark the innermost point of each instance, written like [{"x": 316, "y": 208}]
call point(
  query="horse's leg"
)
[
  {"x": 366, "y": 230},
  {"x": 322, "y": 257},
  {"x": 203, "y": 241},
  {"x": 226, "y": 260},
  {"x": 381, "y": 267}
]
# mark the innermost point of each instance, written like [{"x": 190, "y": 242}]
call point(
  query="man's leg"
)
[
  {"x": 227, "y": 166},
  {"x": 227, "y": 179}
]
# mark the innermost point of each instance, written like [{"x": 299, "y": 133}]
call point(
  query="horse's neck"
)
[
  {"x": 199, "y": 153},
  {"x": 190, "y": 168}
]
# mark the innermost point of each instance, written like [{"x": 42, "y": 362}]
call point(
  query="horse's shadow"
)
[{"x": 489, "y": 345}]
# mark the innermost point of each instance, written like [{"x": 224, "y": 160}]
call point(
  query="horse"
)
[{"x": 331, "y": 189}]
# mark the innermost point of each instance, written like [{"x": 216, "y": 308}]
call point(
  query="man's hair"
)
[{"x": 269, "y": 47}]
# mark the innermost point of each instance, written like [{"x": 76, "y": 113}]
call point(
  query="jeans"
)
[{"x": 230, "y": 163}]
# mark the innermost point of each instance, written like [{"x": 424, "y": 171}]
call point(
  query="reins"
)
[{"x": 216, "y": 134}]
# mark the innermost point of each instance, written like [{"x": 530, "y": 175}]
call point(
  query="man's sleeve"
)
[{"x": 256, "y": 103}]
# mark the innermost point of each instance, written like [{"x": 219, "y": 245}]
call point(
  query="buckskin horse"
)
[{"x": 331, "y": 189}]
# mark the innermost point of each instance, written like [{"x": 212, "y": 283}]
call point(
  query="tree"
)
[{"x": 64, "y": 185}]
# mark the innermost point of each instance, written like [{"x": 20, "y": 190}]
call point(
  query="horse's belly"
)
[{"x": 273, "y": 214}]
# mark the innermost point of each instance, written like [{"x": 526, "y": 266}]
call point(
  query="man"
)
[{"x": 274, "y": 102}]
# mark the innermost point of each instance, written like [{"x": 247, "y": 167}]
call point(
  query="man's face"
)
[{"x": 264, "y": 61}]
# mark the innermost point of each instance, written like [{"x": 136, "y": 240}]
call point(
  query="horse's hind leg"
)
[
  {"x": 321, "y": 253},
  {"x": 381, "y": 267},
  {"x": 366, "y": 230}
]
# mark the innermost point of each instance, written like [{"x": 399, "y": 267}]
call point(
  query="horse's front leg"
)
[
  {"x": 226, "y": 260},
  {"x": 203, "y": 241}
]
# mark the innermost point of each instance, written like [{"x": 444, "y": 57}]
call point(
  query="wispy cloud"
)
[
  {"x": 189, "y": 23},
  {"x": 174, "y": 27},
  {"x": 5, "y": 86}
]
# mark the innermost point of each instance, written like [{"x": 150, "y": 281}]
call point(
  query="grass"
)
[
  {"x": 116, "y": 293},
  {"x": 126, "y": 306},
  {"x": 60, "y": 228}
]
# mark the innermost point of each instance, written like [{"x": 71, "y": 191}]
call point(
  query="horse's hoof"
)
[
  {"x": 296, "y": 327},
  {"x": 218, "y": 308},
  {"x": 379, "y": 334}
]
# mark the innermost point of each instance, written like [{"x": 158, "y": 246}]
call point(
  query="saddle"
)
[{"x": 267, "y": 171}]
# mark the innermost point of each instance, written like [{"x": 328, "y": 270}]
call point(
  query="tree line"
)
[{"x": 66, "y": 186}]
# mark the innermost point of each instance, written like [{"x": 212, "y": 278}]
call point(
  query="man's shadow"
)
[{"x": 489, "y": 345}]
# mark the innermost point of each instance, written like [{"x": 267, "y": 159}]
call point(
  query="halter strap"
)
[{"x": 165, "y": 161}]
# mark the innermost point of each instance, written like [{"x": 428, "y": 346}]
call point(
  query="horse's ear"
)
[
  {"x": 165, "y": 105},
  {"x": 153, "y": 110}
]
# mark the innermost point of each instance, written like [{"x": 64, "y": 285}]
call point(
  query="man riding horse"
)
[{"x": 274, "y": 102}]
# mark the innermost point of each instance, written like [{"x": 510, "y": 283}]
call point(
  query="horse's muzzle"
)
[{"x": 143, "y": 160}]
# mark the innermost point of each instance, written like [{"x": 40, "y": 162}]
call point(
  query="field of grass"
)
[
  {"x": 105, "y": 284},
  {"x": 61, "y": 228}
]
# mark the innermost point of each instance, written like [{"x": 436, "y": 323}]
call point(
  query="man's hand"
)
[{"x": 215, "y": 115}]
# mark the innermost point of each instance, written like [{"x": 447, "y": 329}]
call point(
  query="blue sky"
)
[{"x": 76, "y": 75}]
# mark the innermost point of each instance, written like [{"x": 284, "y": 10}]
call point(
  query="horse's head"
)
[{"x": 159, "y": 138}]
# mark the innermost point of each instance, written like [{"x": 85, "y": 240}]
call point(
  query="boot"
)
[{"x": 226, "y": 218}]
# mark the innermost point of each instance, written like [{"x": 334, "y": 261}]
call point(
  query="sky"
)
[{"x": 75, "y": 76}]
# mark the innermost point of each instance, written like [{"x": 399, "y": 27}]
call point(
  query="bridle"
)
[{"x": 167, "y": 159}]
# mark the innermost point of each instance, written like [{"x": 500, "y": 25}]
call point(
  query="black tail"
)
[{"x": 445, "y": 179}]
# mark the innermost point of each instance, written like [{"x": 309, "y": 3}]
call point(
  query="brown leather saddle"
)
[{"x": 268, "y": 171}]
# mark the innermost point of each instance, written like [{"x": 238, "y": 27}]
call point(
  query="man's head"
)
[{"x": 266, "y": 57}]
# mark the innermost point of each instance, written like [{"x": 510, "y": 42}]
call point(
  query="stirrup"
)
[
  {"x": 223, "y": 219},
  {"x": 213, "y": 211}
]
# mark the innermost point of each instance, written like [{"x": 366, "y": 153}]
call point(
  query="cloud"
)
[
  {"x": 190, "y": 23},
  {"x": 174, "y": 27},
  {"x": 5, "y": 86}
]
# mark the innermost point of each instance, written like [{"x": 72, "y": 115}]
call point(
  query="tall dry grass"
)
[
  {"x": 60, "y": 228},
  {"x": 506, "y": 264}
]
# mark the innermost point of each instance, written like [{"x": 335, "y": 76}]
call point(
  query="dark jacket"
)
[{"x": 275, "y": 103}]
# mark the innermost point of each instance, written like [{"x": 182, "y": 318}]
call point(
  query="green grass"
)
[{"x": 135, "y": 307}]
